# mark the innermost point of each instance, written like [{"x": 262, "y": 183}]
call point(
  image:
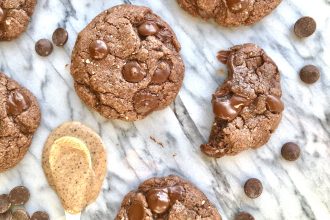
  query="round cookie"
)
[
  {"x": 247, "y": 106},
  {"x": 169, "y": 198},
  {"x": 126, "y": 63},
  {"x": 19, "y": 119},
  {"x": 93, "y": 143},
  {"x": 15, "y": 16},
  {"x": 230, "y": 13}
]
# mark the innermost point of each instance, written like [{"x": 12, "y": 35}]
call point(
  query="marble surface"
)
[{"x": 292, "y": 190}]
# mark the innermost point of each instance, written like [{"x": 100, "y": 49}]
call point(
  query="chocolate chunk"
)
[
  {"x": 19, "y": 195},
  {"x": 253, "y": 188},
  {"x": 223, "y": 56},
  {"x": 176, "y": 193},
  {"x": 98, "y": 49},
  {"x": 145, "y": 102},
  {"x": 60, "y": 37},
  {"x": 4, "y": 203},
  {"x": 244, "y": 216},
  {"x": 290, "y": 151},
  {"x": 20, "y": 214},
  {"x": 161, "y": 74},
  {"x": 228, "y": 109},
  {"x": 132, "y": 72},
  {"x": 2, "y": 15},
  {"x": 237, "y": 5},
  {"x": 44, "y": 47},
  {"x": 148, "y": 28},
  {"x": 6, "y": 216},
  {"x": 274, "y": 104},
  {"x": 17, "y": 103},
  {"x": 309, "y": 74},
  {"x": 158, "y": 200},
  {"x": 305, "y": 27},
  {"x": 40, "y": 215},
  {"x": 136, "y": 211}
]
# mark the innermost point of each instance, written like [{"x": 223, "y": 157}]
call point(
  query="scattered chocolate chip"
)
[
  {"x": 237, "y": 5},
  {"x": 161, "y": 74},
  {"x": 44, "y": 47},
  {"x": 253, "y": 188},
  {"x": 274, "y": 104},
  {"x": 20, "y": 214},
  {"x": 98, "y": 49},
  {"x": 309, "y": 74},
  {"x": 145, "y": 102},
  {"x": 132, "y": 72},
  {"x": 2, "y": 15},
  {"x": 148, "y": 28},
  {"x": 158, "y": 200},
  {"x": 4, "y": 203},
  {"x": 40, "y": 215},
  {"x": 223, "y": 56},
  {"x": 6, "y": 216},
  {"x": 19, "y": 195},
  {"x": 290, "y": 151},
  {"x": 17, "y": 103},
  {"x": 244, "y": 216},
  {"x": 136, "y": 211},
  {"x": 60, "y": 37},
  {"x": 305, "y": 27}
]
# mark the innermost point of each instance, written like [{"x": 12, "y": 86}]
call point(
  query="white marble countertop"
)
[{"x": 292, "y": 190}]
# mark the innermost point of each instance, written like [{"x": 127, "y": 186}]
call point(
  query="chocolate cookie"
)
[
  {"x": 126, "y": 63},
  {"x": 169, "y": 198},
  {"x": 230, "y": 13},
  {"x": 19, "y": 119},
  {"x": 15, "y": 16},
  {"x": 248, "y": 106}
]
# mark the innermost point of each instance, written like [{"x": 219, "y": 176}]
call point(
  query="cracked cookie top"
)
[
  {"x": 230, "y": 13},
  {"x": 19, "y": 119},
  {"x": 15, "y": 16},
  {"x": 126, "y": 63},
  {"x": 247, "y": 106},
  {"x": 168, "y": 198}
]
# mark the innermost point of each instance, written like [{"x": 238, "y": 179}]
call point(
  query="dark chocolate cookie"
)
[
  {"x": 126, "y": 63},
  {"x": 170, "y": 198},
  {"x": 248, "y": 106},
  {"x": 15, "y": 16},
  {"x": 230, "y": 13},
  {"x": 19, "y": 119}
]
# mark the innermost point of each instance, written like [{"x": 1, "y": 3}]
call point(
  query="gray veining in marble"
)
[{"x": 292, "y": 190}]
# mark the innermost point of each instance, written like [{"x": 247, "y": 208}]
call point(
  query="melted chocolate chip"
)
[
  {"x": 228, "y": 109},
  {"x": 2, "y": 15},
  {"x": 44, "y": 47},
  {"x": 253, "y": 188},
  {"x": 132, "y": 72},
  {"x": 309, "y": 74},
  {"x": 223, "y": 56},
  {"x": 305, "y": 27},
  {"x": 236, "y": 6},
  {"x": 98, "y": 49},
  {"x": 176, "y": 193},
  {"x": 158, "y": 200},
  {"x": 145, "y": 102},
  {"x": 161, "y": 74},
  {"x": 274, "y": 104},
  {"x": 40, "y": 215},
  {"x": 17, "y": 103},
  {"x": 290, "y": 151},
  {"x": 136, "y": 211},
  {"x": 60, "y": 37},
  {"x": 148, "y": 28},
  {"x": 19, "y": 195},
  {"x": 244, "y": 216},
  {"x": 4, "y": 203}
]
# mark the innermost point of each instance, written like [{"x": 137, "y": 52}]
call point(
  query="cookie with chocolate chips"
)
[
  {"x": 169, "y": 198},
  {"x": 230, "y": 13},
  {"x": 15, "y": 16},
  {"x": 126, "y": 63},
  {"x": 19, "y": 119},
  {"x": 247, "y": 106}
]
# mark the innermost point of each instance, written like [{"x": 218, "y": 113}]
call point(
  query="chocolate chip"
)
[
  {"x": 136, "y": 211},
  {"x": 4, "y": 203},
  {"x": 132, "y": 72},
  {"x": 237, "y": 5},
  {"x": 223, "y": 56},
  {"x": 228, "y": 109},
  {"x": 244, "y": 216},
  {"x": 98, "y": 49},
  {"x": 19, "y": 195},
  {"x": 161, "y": 74},
  {"x": 309, "y": 74},
  {"x": 2, "y": 15},
  {"x": 274, "y": 104},
  {"x": 305, "y": 27},
  {"x": 253, "y": 188},
  {"x": 158, "y": 200},
  {"x": 44, "y": 47},
  {"x": 176, "y": 193},
  {"x": 6, "y": 216},
  {"x": 17, "y": 103},
  {"x": 60, "y": 37},
  {"x": 40, "y": 215},
  {"x": 290, "y": 151},
  {"x": 20, "y": 214},
  {"x": 148, "y": 28},
  {"x": 145, "y": 102}
]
